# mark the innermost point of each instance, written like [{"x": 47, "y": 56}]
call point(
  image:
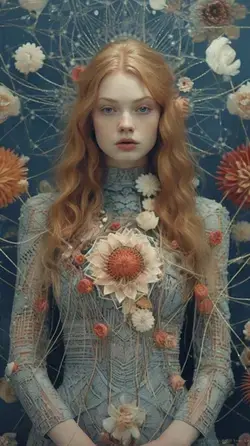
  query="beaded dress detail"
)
[{"x": 122, "y": 378}]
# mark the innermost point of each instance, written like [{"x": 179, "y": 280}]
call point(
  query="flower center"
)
[
  {"x": 125, "y": 264},
  {"x": 217, "y": 13}
]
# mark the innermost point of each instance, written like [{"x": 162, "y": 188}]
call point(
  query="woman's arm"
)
[
  {"x": 213, "y": 378},
  {"x": 69, "y": 433},
  {"x": 29, "y": 332}
]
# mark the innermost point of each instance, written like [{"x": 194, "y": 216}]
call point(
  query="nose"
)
[{"x": 126, "y": 123}]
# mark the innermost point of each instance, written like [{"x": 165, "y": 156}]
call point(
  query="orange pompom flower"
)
[
  {"x": 13, "y": 176},
  {"x": 205, "y": 306},
  {"x": 174, "y": 244},
  {"x": 164, "y": 340},
  {"x": 233, "y": 175},
  {"x": 200, "y": 291},
  {"x": 215, "y": 238},
  {"x": 76, "y": 72},
  {"x": 85, "y": 285},
  {"x": 41, "y": 305},
  {"x": 101, "y": 330},
  {"x": 176, "y": 382},
  {"x": 144, "y": 303},
  {"x": 115, "y": 226},
  {"x": 79, "y": 259}
]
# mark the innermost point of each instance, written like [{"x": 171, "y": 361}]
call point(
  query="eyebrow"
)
[{"x": 136, "y": 100}]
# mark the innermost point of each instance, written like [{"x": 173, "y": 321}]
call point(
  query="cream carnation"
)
[
  {"x": 238, "y": 103},
  {"x": 29, "y": 58},
  {"x": 33, "y": 5},
  {"x": 148, "y": 185},
  {"x": 143, "y": 320},
  {"x": 221, "y": 57},
  {"x": 241, "y": 231},
  {"x": 147, "y": 220},
  {"x": 9, "y": 104},
  {"x": 148, "y": 204}
]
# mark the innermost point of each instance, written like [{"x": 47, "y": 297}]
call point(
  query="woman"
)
[{"x": 125, "y": 243}]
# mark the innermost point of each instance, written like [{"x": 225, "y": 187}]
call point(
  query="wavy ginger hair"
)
[{"x": 78, "y": 174}]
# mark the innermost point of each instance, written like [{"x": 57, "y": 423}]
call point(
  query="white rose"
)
[
  {"x": 221, "y": 57},
  {"x": 147, "y": 220},
  {"x": 157, "y": 4}
]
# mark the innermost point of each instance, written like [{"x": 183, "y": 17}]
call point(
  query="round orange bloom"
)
[
  {"x": 15, "y": 367},
  {"x": 85, "y": 286},
  {"x": 215, "y": 238},
  {"x": 165, "y": 340},
  {"x": 79, "y": 259},
  {"x": 115, "y": 226},
  {"x": 200, "y": 291},
  {"x": 205, "y": 306},
  {"x": 76, "y": 72},
  {"x": 174, "y": 244},
  {"x": 41, "y": 305},
  {"x": 144, "y": 303},
  {"x": 160, "y": 338},
  {"x": 176, "y": 382},
  {"x": 101, "y": 330}
]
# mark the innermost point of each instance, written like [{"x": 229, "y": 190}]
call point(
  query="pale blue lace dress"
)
[{"x": 129, "y": 365}]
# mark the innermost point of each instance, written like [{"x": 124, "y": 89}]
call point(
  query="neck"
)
[{"x": 129, "y": 164}]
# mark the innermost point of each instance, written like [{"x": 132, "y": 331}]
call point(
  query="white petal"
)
[
  {"x": 135, "y": 432},
  {"x": 112, "y": 411},
  {"x": 117, "y": 434},
  {"x": 108, "y": 289},
  {"x": 109, "y": 424},
  {"x": 126, "y": 436}
]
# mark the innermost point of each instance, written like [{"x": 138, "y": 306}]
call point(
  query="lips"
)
[{"x": 126, "y": 146}]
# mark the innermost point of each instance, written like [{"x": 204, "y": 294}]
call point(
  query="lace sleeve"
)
[
  {"x": 213, "y": 377},
  {"x": 29, "y": 330}
]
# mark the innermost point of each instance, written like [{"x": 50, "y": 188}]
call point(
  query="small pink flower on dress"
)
[
  {"x": 8, "y": 439},
  {"x": 244, "y": 440},
  {"x": 41, "y": 305},
  {"x": 76, "y": 72},
  {"x": 79, "y": 259},
  {"x": 246, "y": 331},
  {"x": 101, "y": 330},
  {"x": 200, "y": 291},
  {"x": 115, "y": 226},
  {"x": 85, "y": 285},
  {"x": 176, "y": 382},
  {"x": 174, "y": 244},
  {"x": 205, "y": 306},
  {"x": 215, "y": 238},
  {"x": 165, "y": 340}
]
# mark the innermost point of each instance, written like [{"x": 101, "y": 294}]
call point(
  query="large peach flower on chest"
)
[{"x": 125, "y": 263}]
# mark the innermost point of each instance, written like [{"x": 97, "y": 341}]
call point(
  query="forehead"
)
[{"x": 122, "y": 87}]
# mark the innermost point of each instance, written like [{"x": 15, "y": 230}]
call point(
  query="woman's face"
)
[{"x": 125, "y": 109}]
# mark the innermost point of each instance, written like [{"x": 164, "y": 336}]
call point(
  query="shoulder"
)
[
  {"x": 34, "y": 211},
  {"x": 214, "y": 215}
]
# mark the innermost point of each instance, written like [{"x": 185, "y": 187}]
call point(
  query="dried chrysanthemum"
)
[
  {"x": 211, "y": 18},
  {"x": 13, "y": 176},
  {"x": 233, "y": 175},
  {"x": 29, "y": 58}
]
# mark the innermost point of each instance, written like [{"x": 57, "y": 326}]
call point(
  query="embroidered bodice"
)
[{"x": 120, "y": 356}]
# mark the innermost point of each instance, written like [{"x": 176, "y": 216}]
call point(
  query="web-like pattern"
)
[{"x": 70, "y": 33}]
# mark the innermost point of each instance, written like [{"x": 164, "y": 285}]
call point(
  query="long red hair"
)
[{"x": 78, "y": 174}]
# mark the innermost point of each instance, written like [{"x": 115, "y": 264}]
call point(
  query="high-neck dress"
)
[{"x": 107, "y": 375}]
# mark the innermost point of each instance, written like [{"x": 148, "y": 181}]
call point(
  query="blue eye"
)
[
  {"x": 144, "y": 109},
  {"x": 107, "y": 110}
]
